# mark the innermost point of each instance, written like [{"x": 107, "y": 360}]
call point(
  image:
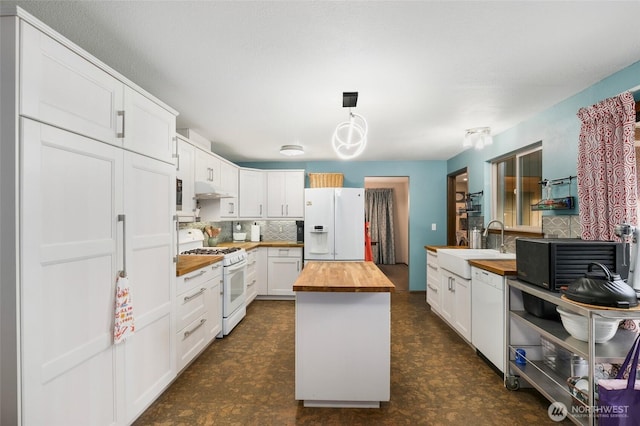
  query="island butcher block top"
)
[
  {"x": 342, "y": 277},
  {"x": 190, "y": 263}
]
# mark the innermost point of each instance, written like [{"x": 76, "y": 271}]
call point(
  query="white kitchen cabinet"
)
[
  {"x": 89, "y": 245},
  {"x": 198, "y": 312},
  {"x": 434, "y": 289},
  {"x": 207, "y": 168},
  {"x": 76, "y": 209},
  {"x": 284, "y": 266},
  {"x": 456, "y": 302},
  {"x": 285, "y": 193},
  {"x": 252, "y": 275},
  {"x": 63, "y": 88},
  {"x": 251, "y": 189},
  {"x": 229, "y": 185},
  {"x": 262, "y": 274},
  {"x": 185, "y": 165}
]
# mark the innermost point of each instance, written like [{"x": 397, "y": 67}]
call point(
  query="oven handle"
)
[{"x": 236, "y": 266}]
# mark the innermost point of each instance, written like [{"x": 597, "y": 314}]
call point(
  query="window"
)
[{"x": 516, "y": 186}]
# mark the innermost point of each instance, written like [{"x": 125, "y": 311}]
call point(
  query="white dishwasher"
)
[{"x": 487, "y": 315}]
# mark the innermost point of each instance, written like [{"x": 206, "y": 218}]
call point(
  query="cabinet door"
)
[
  {"x": 149, "y": 129},
  {"x": 251, "y": 193},
  {"x": 229, "y": 184},
  {"x": 185, "y": 171},
  {"x": 207, "y": 168},
  {"x": 262, "y": 265},
  {"x": 213, "y": 325},
  {"x": 294, "y": 190},
  {"x": 276, "y": 197},
  {"x": 462, "y": 301},
  {"x": 60, "y": 87},
  {"x": 70, "y": 249},
  {"x": 447, "y": 306},
  {"x": 283, "y": 270},
  {"x": 149, "y": 199}
]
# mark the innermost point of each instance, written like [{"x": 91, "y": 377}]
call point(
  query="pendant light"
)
[{"x": 350, "y": 137}]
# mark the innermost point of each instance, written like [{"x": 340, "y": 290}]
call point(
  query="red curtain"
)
[{"x": 607, "y": 182}]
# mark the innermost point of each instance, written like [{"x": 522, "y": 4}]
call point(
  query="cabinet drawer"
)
[
  {"x": 198, "y": 277},
  {"x": 191, "y": 305},
  {"x": 191, "y": 340},
  {"x": 284, "y": 252}
]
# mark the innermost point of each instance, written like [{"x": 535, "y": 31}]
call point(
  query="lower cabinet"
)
[
  {"x": 456, "y": 303},
  {"x": 198, "y": 312},
  {"x": 252, "y": 275},
  {"x": 433, "y": 281},
  {"x": 283, "y": 267}
]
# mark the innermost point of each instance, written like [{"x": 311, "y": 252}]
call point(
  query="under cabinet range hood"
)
[{"x": 208, "y": 191}]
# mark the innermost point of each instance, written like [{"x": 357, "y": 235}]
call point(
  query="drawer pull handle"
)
[
  {"x": 190, "y": 332},
  {"x": 187, "y": 298},
  {"x": 195, "y": 276}
]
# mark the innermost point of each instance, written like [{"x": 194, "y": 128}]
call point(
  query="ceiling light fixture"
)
[
  {"x": 350, "y": 137},
  {"x": 478, "y": 137},
  {"x": 291, "y": 150}
]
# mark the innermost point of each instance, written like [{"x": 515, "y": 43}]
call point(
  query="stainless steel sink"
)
[{"x": 457, "y": 260}]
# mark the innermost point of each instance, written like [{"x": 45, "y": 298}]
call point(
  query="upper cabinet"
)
[
  {"x": 207, "y": 168},
  {"x": 285, "y": 193},
  {"x": 186, "y": 205},
  {"x": 62, "y": 88},
  {"x": 229, "y": 184},
  {"x": 251, "y": 193}
]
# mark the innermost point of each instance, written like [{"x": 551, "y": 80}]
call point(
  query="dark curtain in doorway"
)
[{"x": 379, "y": 213}]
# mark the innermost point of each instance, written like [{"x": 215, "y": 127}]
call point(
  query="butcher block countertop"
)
[
  {"x": 342, "y": 277},
  {"x": 436, "y": 248},
  {"x": 190, "y": 263},
  {"x": 503, "y": 267}
]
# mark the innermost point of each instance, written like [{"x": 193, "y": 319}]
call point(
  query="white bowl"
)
[
  {"x": 577, "y": 326},
  {"x": 239, "y": 236}
]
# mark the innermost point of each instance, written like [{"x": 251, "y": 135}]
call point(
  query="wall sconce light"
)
[
  {"x": 478, "y": 137},
  {"x": 291, "y": 150},
  {"x": 350, "y": 137}
]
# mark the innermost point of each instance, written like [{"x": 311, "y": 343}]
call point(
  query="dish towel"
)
[{"x": 123, "y": 325}]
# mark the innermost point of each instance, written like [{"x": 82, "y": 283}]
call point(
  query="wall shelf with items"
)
[
  {"x": 472, "y": 203},
  {"x": 558, "y": 203}
]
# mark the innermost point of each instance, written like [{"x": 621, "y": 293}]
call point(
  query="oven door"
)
[{"x": 234, "y": 287}]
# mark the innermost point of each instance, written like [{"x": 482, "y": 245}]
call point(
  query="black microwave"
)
[{"x": 553, "y": 263}]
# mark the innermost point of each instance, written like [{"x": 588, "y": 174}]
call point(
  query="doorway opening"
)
[
  {"x": 390, "y": 242},
  {"x": 457, "y": 193}
]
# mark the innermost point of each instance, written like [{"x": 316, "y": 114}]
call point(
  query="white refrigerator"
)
[{"x": 334, "y": 224}]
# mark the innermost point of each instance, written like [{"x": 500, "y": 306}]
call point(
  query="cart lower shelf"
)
[{"x": 551, "y": 386}]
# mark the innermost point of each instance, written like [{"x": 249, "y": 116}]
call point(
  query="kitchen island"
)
[{"x": 343, "y": 335}]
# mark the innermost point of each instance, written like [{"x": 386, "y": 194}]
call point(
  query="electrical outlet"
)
[
  {"x": 280, "y": 228},
  {"x": 433, "y": 226}
]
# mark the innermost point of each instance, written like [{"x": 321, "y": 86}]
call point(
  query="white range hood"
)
[{"x": 207, "y": 191}]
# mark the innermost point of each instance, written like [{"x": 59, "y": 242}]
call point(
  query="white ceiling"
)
[{"x": 252, "y": 76}]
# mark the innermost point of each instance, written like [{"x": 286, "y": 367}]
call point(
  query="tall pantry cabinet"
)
[{"x": 87, "y": 191}]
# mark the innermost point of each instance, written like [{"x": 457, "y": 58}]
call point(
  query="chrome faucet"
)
[{"x": 503, "y": 249}]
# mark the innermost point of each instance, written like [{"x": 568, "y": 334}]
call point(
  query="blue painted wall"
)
[
  {"x": 557, "y": 128},
  {"x": 427, "y": 199}
]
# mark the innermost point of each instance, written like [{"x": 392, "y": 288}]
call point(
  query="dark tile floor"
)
[{"x": 247, "y": 378}]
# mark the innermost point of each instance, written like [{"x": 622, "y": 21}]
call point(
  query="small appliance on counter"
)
[
  {"x": 255, "y": 232},
  {"x": 299, "y": 231},
  {"x": 553, "y": 263}
]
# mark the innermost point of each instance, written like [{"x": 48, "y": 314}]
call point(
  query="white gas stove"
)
[{"x": 234, "y": 272}]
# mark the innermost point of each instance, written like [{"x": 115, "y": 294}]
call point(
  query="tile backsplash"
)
[
  {"x": 565, "y": 226},
  {"x": 270, "y": 230}
]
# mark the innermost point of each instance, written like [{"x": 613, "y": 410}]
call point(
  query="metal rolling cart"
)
[{"x": 526, "y": 331}]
